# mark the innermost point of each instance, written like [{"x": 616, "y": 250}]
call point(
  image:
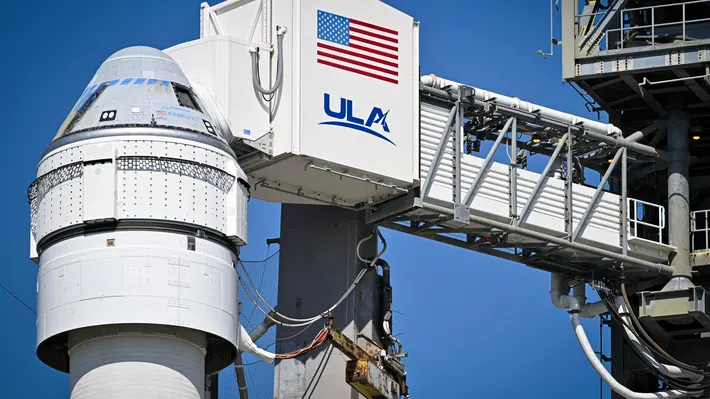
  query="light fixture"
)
[
  {"x": 536, "y": 138},
  {"x": 696, "y": 138},
  {"x": 610, "y": 160}
]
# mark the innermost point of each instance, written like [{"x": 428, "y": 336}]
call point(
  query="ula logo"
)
[{"x": 344, "y": 115}]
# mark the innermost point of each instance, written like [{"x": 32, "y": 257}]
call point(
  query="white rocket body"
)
[{"x": 138, "y": 213}]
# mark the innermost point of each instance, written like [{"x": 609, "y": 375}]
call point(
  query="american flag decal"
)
[{"x": 359, "y": 47}]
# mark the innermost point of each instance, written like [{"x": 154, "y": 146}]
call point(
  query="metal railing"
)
[
  {"x": 645, "y": 220},
  {"x": 700, "y": 230},
  {"x": 644, "y": 27}
]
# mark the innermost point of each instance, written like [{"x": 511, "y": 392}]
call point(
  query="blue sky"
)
[{"x": 474, "y": 326}]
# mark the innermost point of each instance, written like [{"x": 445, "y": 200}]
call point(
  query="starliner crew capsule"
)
[{"x": 138, "y": 213}]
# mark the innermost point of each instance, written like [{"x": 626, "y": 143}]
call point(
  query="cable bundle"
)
[
  {"x": 286, "y": 321},
  {"x": 644, "y": 339},
  {"x": 319, "y": 340}
]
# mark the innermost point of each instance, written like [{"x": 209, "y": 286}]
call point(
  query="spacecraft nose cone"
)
[
  {"x": 140, "y": 61},
  {"x": 139, "y": 52},
  {"x": 140, "y": 90}
]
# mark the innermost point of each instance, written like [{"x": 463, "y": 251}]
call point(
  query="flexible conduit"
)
[{"x": 608, "y": 378}]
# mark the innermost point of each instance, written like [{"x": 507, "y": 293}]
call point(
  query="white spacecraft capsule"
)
[{"x": 138, "y": 213}]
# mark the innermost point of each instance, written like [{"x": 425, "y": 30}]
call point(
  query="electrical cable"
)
[
  {"x": 668, "y": 380},
  {"x": 319, "y": 340},
  {"x": 265, "y": 260},
  {"x": 263, "y": 273},
  {"x": 318, "y": 373},
  {"x": 610, "y": 380},
  {"x": 601, "y": 353},
  {"x": 653, "y": 345},
  {"x": 376, "y": 231},
  {"x": 256, "y": 304},
  {"x": 296, "y": 334},
  {"x": 273, "y": 112},
  {"x": 322, "y": 337},
  {"x": 309, "y": 319},
  {"x": 650, "y": 341},
  {"x": 256, "y": 79},
  {"x": 18, "y": 299},
  {"x": 304, "y": 321},
  {"x": 279, "y": 66}
]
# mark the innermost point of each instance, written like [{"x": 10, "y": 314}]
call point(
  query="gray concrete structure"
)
[{"x": 318, "y": 262}]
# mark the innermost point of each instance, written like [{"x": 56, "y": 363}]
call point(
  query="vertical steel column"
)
[
  {"x": 513, "y": 172},
  {"x": 569, "y": 185},
  {"x": 457, "y": 152},
  {"x": 623, "y": 219},
  {"x": 212, "y": 383},
  {"x": 440, "y": 150},
  {"x": 678, "y": 189},
  {"x": 569, "y": 37}
]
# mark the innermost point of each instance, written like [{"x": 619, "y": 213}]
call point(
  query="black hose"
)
[
  {"x": 279, "y": 68},
  {"x": 651, "y": 342}
]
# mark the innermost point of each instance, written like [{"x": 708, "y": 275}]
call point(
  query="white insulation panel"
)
[
  {"x": 150, "y": 178},
  {"x": 491, "y": 200},
  {"x": 137, "y": 277}
]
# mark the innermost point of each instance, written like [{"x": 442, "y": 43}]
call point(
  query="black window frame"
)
[{"x": 181, "y": 92}]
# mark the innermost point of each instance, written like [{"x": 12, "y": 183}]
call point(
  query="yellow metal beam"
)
[{"x": 365, "y": 373}]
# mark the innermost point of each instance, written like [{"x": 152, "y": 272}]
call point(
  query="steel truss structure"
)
[{"x": 471, "y": 121}]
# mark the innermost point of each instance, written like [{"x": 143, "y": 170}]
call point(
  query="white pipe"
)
[
  {"x": 602, "y": 371},
  {"x": 245, "y": 344},
  {"x": 579, "y": 291},
  {"x": 592, "y": 310},
  {"x": 559, "y": 287},
  {"x": 559, "y": 295},
  {"x": 485, "y": 95},
  {"x": 635, "y": 136},
  {"x": 666, "y": 369},
  {"x": 262, "y": 328},
  {"x": 258, "y": 332}
]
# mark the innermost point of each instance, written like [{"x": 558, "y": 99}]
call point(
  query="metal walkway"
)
[{"x": 547, "y": 220}]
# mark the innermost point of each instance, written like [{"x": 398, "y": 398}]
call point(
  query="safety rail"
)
[
  {"x": 652, "y": 31},
  {"x": 700, "y": 230},
  {"x": 645, "y": 220}
]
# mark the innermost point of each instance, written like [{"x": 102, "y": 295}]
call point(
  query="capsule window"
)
[{"x": 185, "y": 97}]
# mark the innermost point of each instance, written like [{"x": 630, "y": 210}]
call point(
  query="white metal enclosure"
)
[{"x": 343, "y": 120}]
